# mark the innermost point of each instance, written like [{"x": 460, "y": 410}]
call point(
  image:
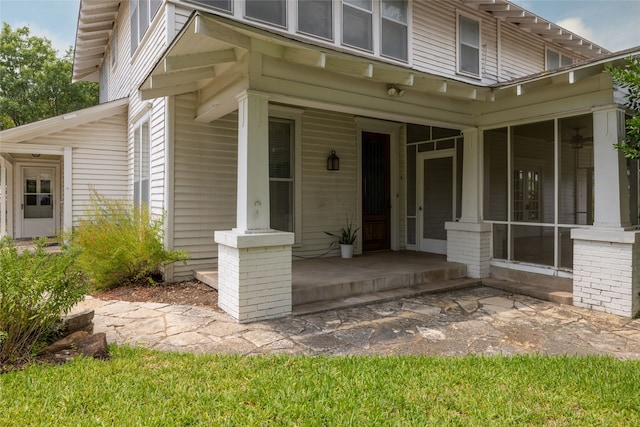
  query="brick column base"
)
[
  {"x": 254, "y": 274},
  {"x": 470, "y": 243},
  {"x": 606, "y": 270}
]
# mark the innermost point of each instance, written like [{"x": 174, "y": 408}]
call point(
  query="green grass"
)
[{"x": 145, "y": 388}]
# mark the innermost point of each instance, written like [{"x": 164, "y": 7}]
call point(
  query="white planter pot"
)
[{"x": 346, "y": 251}]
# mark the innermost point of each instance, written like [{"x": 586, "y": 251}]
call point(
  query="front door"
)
[
  {"x": 38, "y": 198},
  {"x": 436, "y": 198},
  {"x": 376, "y": 192}
]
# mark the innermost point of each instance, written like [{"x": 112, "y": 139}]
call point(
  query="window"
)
[
  {"x": 281, "y": 173},
  {"x": 272, "y": 11},
  {"x": 468, "y": 45},
  {"x": 394, "y": 29},
  {"x": 315, "y": 17},
  {"x": 357, "y": 24},
  {"x": 141, "y": 163},
  {"x": 141, "y": 13},
  {"x": 218, "y": 4},
  {"x": 557, "y": 60}
]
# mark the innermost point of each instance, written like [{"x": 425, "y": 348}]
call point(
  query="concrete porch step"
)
[
  {"x": 347, "y": 283},
  {"x": 547, "y": 293},
  {"x": 384, "y": 296}
]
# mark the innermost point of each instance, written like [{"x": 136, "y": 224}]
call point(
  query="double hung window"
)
[
  {"x": 468, "y": 45},
  {"x": 357, "y": 24},
  {"x": 141, "y": 13}
]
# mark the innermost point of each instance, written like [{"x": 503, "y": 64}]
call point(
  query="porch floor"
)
[{"x": 322, "y": 284}]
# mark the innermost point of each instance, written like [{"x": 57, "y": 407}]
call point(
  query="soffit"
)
[
  {"x": 96, "y": 20},
  {"x": 508, "y": 12}
]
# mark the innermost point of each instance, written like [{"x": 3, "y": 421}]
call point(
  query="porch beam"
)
[
  {"x": 199, "y": 60},
  {"x": 182, "y": 77},
  {"x": 581, "y": 74}
]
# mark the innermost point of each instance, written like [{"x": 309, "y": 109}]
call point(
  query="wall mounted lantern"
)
[{"x": 333, "y": 162}]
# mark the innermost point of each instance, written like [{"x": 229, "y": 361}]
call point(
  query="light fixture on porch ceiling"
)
[
  {"x": 333, "y": 162},
  {"x": 35, "y": 155},
  {"x": 577, "y": 141},
  {"x": 393, "y": 90}
]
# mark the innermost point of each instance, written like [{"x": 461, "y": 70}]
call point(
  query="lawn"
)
[{"x": 146, "y": 388}]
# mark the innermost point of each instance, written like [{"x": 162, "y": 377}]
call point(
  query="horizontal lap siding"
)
[
  {"x": 327, "y": 197},
  {"x": 206, "y": 158},
  {"x": 434, "y": 37},
  {"x": 522, "y": 53},
  {"x": 99, "y": 159}
]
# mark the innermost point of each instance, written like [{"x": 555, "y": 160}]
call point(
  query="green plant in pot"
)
[{"x": 346, "y": 238}]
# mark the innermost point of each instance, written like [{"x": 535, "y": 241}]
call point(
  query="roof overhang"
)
[
  {"x": 96, "y": 21},
  {"x": 62, "y": 122},
  {"x": 571, "y": 74},
  {"x": 208, "y": 44},
  {"x": 508, "y": 12}
]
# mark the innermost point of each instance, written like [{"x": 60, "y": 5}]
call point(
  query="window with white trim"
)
[
  {"x": 141, "y": 14},
  {"x": 141, "y": 163},
  {"x": 557, "y": 60},
  {"x": 357, "y": 24},
  {"x": 394, "y": 29},
  {"x": 272, "y": 11},
  {"x": 282, "y": 173},
  {"x": 468, "y": 45},
  {"x": 315, "y": 17}
]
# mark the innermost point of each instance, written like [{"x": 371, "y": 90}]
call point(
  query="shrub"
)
[
  {"x": 120, "y": 243},
  {"x": 36, "y": 289}
]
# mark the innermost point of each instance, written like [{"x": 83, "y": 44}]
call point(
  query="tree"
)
[
  {"x": 628, "y": 77},
  {"x": 35, "y": 83}
]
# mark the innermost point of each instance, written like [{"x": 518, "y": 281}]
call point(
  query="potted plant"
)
[{"x": 346, "y": 239}]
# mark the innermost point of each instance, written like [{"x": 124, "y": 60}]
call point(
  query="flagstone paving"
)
[{"x": 478, "y": 320}]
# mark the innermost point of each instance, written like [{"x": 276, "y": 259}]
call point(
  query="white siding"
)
[
  {"x": 522, "y": 53},
  {"x": 99, "y": 159},
  {"x": 327, "y": 197},
  {"x": 204, "y": 184}
]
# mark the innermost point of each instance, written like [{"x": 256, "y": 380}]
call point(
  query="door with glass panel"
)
[
  {"x": 436, "y": 199},
  {"x": 38, "y": 198}
]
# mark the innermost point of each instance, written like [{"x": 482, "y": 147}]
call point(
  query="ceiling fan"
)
[{"x": 578, "y": 141}]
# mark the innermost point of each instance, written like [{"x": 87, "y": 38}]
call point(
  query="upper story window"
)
[
  {"x": 557, "y": 60},
  {"x": 468, "y": 45},
  {"x": 315, "y": 17},
  {"x": 272, "y": 11},
  {"x": 141, "y": 13},
  {"x": 394, "y": 29},
  {"x": 357, "y": 24},
  {"x": 226, "y": 5}
]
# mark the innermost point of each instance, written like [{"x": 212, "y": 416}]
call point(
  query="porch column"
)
[
  {"x": 67, "y": 193},
  {"x": 604, "y": 277},
  {"x": 254, "y": 262},
  {"x": 469, "y": 239}
]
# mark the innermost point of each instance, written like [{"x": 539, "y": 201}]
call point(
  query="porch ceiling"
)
[
  {"x": 96, "y": 20},
  {"x": 209, "y": 45},
  {"x": 508, "y": 12}
]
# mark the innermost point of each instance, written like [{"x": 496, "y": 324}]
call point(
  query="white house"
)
[{"x": 471, "y": 128}]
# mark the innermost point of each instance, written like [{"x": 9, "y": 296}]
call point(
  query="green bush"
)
[
  {"x": 36, "y": 289},
  {"x": 120, "y": 243}
]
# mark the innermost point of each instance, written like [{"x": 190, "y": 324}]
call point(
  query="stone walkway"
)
[{"x": 479, "y": 320}]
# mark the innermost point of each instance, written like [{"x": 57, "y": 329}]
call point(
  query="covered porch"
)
[{"x": 322, "y": 284}]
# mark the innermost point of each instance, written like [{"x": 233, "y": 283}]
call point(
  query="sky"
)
[{"x": 612, "y": 24}]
